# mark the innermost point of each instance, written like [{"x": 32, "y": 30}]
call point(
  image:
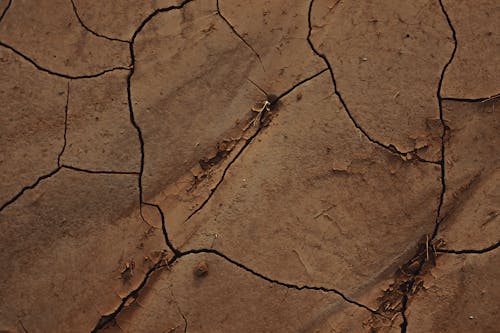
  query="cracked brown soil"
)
[{"x": 249, "y": 166}]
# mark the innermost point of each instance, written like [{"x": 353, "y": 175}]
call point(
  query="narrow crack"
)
[
  {"x": 219, "y": 12},
  {"x": 179, "y": 311},
  {"x": 470, "y": 251},
  {"x": 63, "y": 75},
  {"x": 75, "y": 10},
  {"x": 441, "y": 118},
  {"x": 29, "y": 187},
  {"x": 105, "y": 172},
  {"x": 105, "y": 320},
  {"x": 65, "y": 126},
  {"x": 5, "y": 10},
  {"x": 292, "y": 88},
  {"x": 391, "y": 148},
  {"x": 249, "y": 140},
  {"x": 472, "y": 100},
  {"x": 277, "y": 282},
  {"x": 163, "y": 227}
]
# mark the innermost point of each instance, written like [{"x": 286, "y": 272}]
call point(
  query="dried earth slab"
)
[
  {"x": 57, "y": 42},
  {"x": 311, "y": 201},
  {"x": 471, "y": 74},
  {"x": 72, "y": 248},
  {"x": 460, "y": 295},
  {"x": 387, "y": 59},
  {"x": 31, "y": 124}
]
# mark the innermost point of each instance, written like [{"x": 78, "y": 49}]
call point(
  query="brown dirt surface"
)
[{"x": 249, "y": 166}]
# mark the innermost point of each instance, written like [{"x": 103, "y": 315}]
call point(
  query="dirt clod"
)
[{"x": 201, "y": 269}]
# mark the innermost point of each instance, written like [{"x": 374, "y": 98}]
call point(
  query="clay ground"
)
[{"x": 249, "y": 166}]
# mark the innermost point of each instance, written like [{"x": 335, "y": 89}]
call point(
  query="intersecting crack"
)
[
  {"x": 391, "y": 148},
  {"x": 162, "y": 263},
  {"x": 63, "y": 75},
  {"x": 75, "y": 10},
  {"x": 106, "y": 319},
  {"x": 411, "y": 283},
  {"x": 61, "y": 165}
]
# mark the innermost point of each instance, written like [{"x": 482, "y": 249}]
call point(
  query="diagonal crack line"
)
[
  {"x": 280, "y": 283},
  {"x": 65, "y": 127},
  {"x": 63, "y": 75},
  {"x": 292, "y": 88},
  {"x": 248, "y": 141},
  {"x": 105, "y": 172},
  {"x": 75, "y": 10},
  {"x": 110, "y": 318},
  {"x": 391, "y": 148},
  {"x": 5, "y": 10},
  {"x": 226, "y": 169},
  {"x": 29, "y": 187},
  {"x": 163, "y": 227},
  {"x": 471, "y": 251},
  {"x": 472, "y": 100},
  {"x": 219, "y": 12}
]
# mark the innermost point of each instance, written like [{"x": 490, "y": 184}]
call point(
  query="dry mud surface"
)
[{"x": 249, "y": 166}]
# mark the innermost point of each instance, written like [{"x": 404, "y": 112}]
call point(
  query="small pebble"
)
[{"x": 201, "y": 269}]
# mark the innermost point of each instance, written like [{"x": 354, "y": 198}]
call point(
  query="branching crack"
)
[
  {"x": 75, "y": 10},
  {"x": 421, "y": 260},
  {"x": 63, "y": 75},
  {"x": 238, "y": 34}
]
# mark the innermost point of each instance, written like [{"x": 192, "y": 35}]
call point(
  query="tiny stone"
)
[{"x": 201, "y": 269}]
